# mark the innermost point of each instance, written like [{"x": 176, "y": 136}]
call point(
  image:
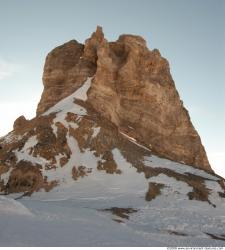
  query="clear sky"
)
[{"x": 189, "y": 33}]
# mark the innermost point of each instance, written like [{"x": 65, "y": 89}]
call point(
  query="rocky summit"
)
[
  {"x": 111, "y": 144},
  {"x": 99, "y": 96},
  {"x": 131, "y": 87}
]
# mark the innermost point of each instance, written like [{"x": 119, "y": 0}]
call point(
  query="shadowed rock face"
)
[{"x": 132, "y": 87}]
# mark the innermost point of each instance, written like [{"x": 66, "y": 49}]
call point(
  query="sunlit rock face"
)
[
  {"x": 132, "y": 87},
  {"x": 111, "y": 143},
  {"x": 105, "y": 105}
]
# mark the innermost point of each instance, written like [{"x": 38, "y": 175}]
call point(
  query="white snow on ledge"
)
[
  {"x": 157, "y": 162},
  {"x": 26, "y": 154},
  {"x": 171, "y": 185},
  {"x": 81, "y": 93},
  {"x": 67, "y": 104},
  {"x": 96, "y": 131},
  {"x": 131, "y": 139},
  {"x": 31, "y": 142}
]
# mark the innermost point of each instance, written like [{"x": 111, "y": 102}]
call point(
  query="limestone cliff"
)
[{"x": 132, "y": 87}]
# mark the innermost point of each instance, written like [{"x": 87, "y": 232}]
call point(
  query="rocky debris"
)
[
  {"x": 200, "y": 191},
  {"x": 121, "y": 212},
  {"x": 177, "y": 233},
  {"x": 153, "y": 191},
  {"x": 132, "y": 87},
  {"x": 27, "y": 178},
  {"x": 81, "y": 171},
  {"x": 47, "y": 143},
  {"x": 216, "y": 237},
  {"x": 3, "y": 169},
  {"x": 108, "y": 164}
]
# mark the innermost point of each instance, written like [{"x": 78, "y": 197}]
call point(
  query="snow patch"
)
[
  {"x": 67, "y": 104},
  {"x": 34, "y": 160},
  {"x": 10, "y": 206},
  {"x": 5, "y": 176},
  {"x": 73, "y": 125},
  {"x": 11, "y": 137},
  {"x": 95, "y": 131},
  {"x": 171, "y": 184},
  {"x": 156, "y": 162},
  {"x": 31, "y": 142},
  {"x": 58, "y": 158},
  {"x": 81, "y": 93},
  {"x": 214, "y": 188},
  {"x": 77, "y": 158},
  {"x": 213, "y": 185},
  {"x": 130, "y": 175},
  {"x": 25, "y": 155},
  {"x": 131, "y": 139}
]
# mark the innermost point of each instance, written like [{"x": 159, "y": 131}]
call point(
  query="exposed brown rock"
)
[
  {"x": 153, "y": 191},
  {"x": 132, "y": 94},
  {"x": 216, "y": 237},
  {"x": 81, "y": 171},
  {"x": 27, "y": 178},
  {"x": 101, "y": 145},
  {"x": 132, "y": 87},
  {"x": 92, "y": 45},
  {"x": 20, "y": 123},
  {"x": 108, "y": 164},
  {"x": 121, "y": 212},
  {"x": 65, "y": 71},
  {"x": 24, "y": 178}
]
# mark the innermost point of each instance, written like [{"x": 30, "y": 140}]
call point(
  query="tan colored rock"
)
[
  {"x": 132, "y": 88},
  {"x": 24, "y": 178},
  {"x": 154, "y": 190},
  {"x": 20, "y": 123},
  {"x": 81, "y": 171},
  {"x": 65, "y": 70},
  {"x": 3, "y": 169}
]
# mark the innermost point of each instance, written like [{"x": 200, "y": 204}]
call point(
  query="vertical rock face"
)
[
  {"x": 132, "y": 87},
  {"x": 65, "y": 70}
]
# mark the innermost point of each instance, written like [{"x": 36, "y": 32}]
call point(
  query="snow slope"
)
[
  {"x": 103, "y": 209},
  {"x": 74, "y": 215}
]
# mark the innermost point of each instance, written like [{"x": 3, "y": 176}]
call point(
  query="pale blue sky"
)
[{"x": 190, "y": 34}]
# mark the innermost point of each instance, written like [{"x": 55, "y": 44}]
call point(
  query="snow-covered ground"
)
[
  {"x": 77, "y": 212},
  {"x": 73, "y": 215}
]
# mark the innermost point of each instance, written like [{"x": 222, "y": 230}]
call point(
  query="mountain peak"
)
[
  {"x": 98, "y": 34},
  {"x": 101, "y": 99},
  {"x": 132, "y": 87}
]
